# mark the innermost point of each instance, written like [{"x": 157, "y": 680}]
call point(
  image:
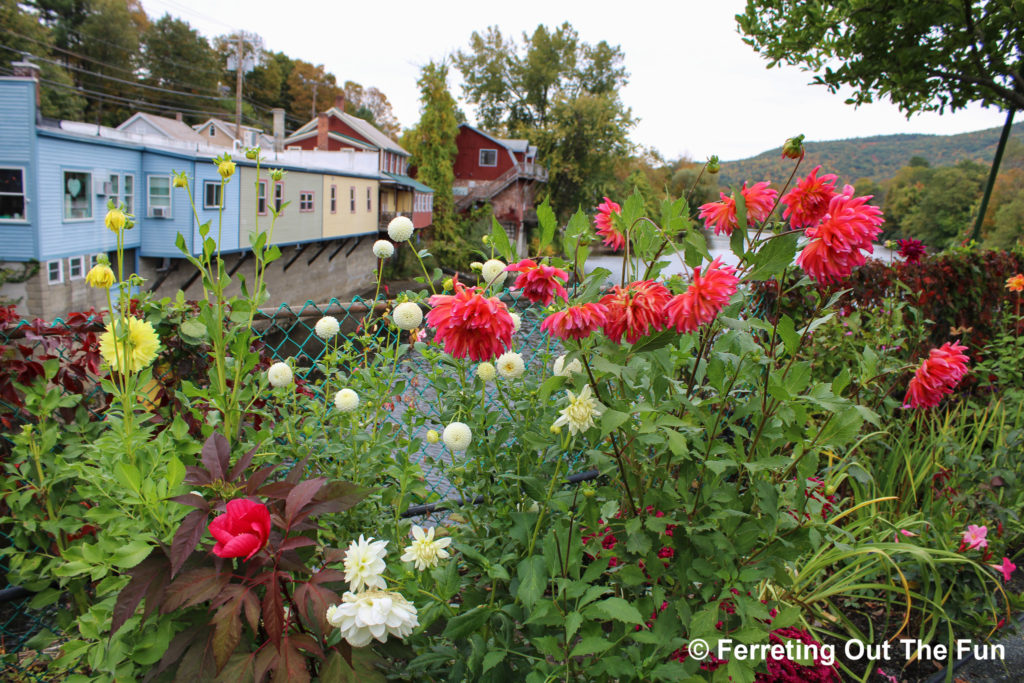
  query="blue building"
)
[{"x": 57, "y": 177}]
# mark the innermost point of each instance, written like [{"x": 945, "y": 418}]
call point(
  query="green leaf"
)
[
  {"x": 590, "y": 645},
  {"x": 466, "y": 623},
  {"x": 775, "y": 256},
  {"x": 499, "y": 238},
  {"x": 193, "y": 329},
  {"x": 533, "y": 579},
  {"x": 127, "y": 556},
  {"x": 614, "y": 608},
  {"x": 611, "y": 419},
  {"x": 548, "y": 223}
]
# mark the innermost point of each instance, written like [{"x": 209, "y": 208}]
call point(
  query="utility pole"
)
[
  {"x": 238, "y": 86},
  {"x": 316, "y": 84}
]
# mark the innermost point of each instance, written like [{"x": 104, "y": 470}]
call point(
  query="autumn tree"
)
[
  {"x": 373, "y": 106},
  {"x": 311, "y": 90},
  {"x": 559, "y": 92}
]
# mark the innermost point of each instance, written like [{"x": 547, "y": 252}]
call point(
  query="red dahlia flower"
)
[
  {"x": 635, "y": 310},
  {"x": 540, "y": 284},
  {"x": 241, "y": 531},
  {"x": 721, "y": 215},
  {"x": 911, "y": 250},
  {"x": 938, "y": 375},
  {"x": 807, "y": 203},
  {"x": 838, "y": 242},
  {"x": 760, "y": 200},
  {"x": 575, "y": 322},
  {"x": 470, "y": 324},
  {"x": 606, "y": 226},
  {"x": 704, "y": 298}
]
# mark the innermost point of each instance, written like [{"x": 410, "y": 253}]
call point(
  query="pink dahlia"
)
[
  {"x": 635, "y": 310},
  {"x": 838, "y": 242},
  {"x": 704, "y": 298},
  {"x": 760, "y": 200},
  {"x": 911, "y": 250},
  {"x": 808, "y": 202},
  {"x": 720, "y": 215},
  {"x": 938, "y": 375},
  {"x": 470, "y": 324},
  {"x": 606, "y": 226},
  {"x": 575, "y": 322},
  {"x": 540, "y": 284}
]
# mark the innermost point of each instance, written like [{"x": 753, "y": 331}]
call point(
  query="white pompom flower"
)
[
  {"x": 373, "y": 614},
  {"x": 346, "y": 400},
  {"x": 486, "y": 372},
  {"x": 493, "y": 273},
  {"x": 511, "y": 365},
  {"x": 563, "y": 370},
  {"x": 383, "y": 249},
  {"x": 457, "y": 436},
  {"x": 279, "y": 375},
  {"x": 407, "y": 316},
  {"x": 327, "y": 327},
  {"x": 364, "y": 564},
  {"x": 400, "y": 229},
  {"x": 517, "y": 322},
  {"x": 424, "y": 550}
]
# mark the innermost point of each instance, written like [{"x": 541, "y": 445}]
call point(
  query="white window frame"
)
[
  {"x": 87, "y": 188},
  {"x": 480, "y": 160},
  {"x": 60, "y": 271},
  {"x": 122, "y": 196},
  {"x": 23, "y": 195},
  {"x": 149, "y": 194},
  {"x": 262, "y": 187},
  {"x": 278, "y": 195},
  {"x": 72, "y": 260},
  {"x": 206, "y": 185}
]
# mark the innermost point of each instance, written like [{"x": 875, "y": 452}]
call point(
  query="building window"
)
[
  {"x": 122, "y": 192},
  {"x": 369, "y": 199},
  {"x": 76, "y": 267},
  {"x": 334, "y": 199},
  {"x": 94, "y": 260},
  {"x": 54, "y": 272},
  {"x": 305, "y": 202},
  {"x": 12, "y": 194},
  {"x": 352, "y": 198},
  {"x": 488, "y": 157},
  {"x": 278, "y": 197},
  {"x": 159, "y": 196},
  {"x": 212, "y": 130},
  {"x": 77, "y": 196},
  {"x": 384, "y": 201},
  {"x": 261, "y": 198},
  {"x": 211, "y": 194}
]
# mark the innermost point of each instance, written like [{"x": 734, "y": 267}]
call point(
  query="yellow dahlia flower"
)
[
  {"x": 100, "y": 276},
  {"x": 143, "y": 345}
]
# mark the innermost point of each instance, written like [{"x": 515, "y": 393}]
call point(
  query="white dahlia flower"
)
[
  {"x": 364, "y": 564},
  {"x": 511, "y": 365},
  {"x": 279, "y": 375},
  {"x": 373, "y": 614},
  {"x": 485, "y": 371},
  {"x": 346, "y": 400},
  {"x": 407, "y": 316},
  {"x": 580, "y": 413},
  {"x": 425, "y": 551},
  {"x": 327, "y": 327},
  {"x": 494, "y": 273},
  {"x": 457, "y": 436},
  {"x": 560, "y": 368},
  {"x": 383, "y": 249},
  {"x": 400, "y": 229}
]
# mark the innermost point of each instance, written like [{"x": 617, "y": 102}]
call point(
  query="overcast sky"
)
[{"x": 695, "y": 87}]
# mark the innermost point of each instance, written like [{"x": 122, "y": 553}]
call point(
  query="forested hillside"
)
[{"x": 877, "y": 158}]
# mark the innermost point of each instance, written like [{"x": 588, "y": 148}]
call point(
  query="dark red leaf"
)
[
  {"x": 143, "y": 575},
  {"x": 193, "y": 587},
  {"x": 193, "y": 500},
  {"x": 295, "y": 474},
  {"x": 299, "y": 496},
  {"x": 186, "y": 538},
  {"x": 297, "y": 542},
  {"x": 243, "y": 464},
  {"x": 257, "y": 479},
  {"x": 292, "y": 665},
  {"x": 217, "y": 455},
  {"x": 273, "y": 612},
  {"x": 227, "y": 632}
]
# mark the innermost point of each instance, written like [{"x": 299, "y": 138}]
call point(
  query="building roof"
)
[
  {"x": 348, "y": 140},
  {"x": 171, "y": 128},
  {"x": 362, "y": 126},
  {"x": 410, "y": 182}
]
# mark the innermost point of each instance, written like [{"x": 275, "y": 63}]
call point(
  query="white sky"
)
[{"x": 696, "y": 88}]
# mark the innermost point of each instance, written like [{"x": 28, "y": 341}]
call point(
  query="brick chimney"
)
[
  {"x": 26, "y": 69},
  {"x": 178, "y": 117},
  {"x": 321, "y": 131},
  {"x": 339, "y": 102}
]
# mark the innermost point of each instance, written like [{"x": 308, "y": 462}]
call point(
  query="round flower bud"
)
[
  {"x": 517, "y": 322},
  {"x": 448, "y": 284},
  {"x": 476, "y": 266},
  {"x": 279, "y": 375},
  {"x": 383, "y": 249},
  {"x": 252, "y": 153},
  {"x": 346, "y": 400},
  {"x": 276, "y": 175},
  {"x": 327, "y": 327},
  {"x": 180, "y": 180},
  {"x": 400, "y": 228},
  {"x": 433, "y": 436},
  {"x": 101, "y": 277},
  {"x": 511, "y": 365},
  {"x": 116, "y": 220},
  {"x": 793, "y": 148},
  {"x": 713, "y": 166},
  {"x": 457, "y": 436},
  {"x": 487, "y": 239},
  {"x": 407, "y": 316},
  {"x": 226, "y": 169},
  {"x": 494, "y": 273},
  {"x": 555, "y": 429},
  {"x": 486, "y": 372}
]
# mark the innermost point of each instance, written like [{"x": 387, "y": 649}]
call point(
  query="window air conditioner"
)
[{"x": 159, "y": 211}]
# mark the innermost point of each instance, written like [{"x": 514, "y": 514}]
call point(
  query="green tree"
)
[
  {"x": 934, "y": 205},
  {"x": 109, "y": 45},
  {"x": 923, "y": 56},
  {"x": 176, "y": 57},
  {"x": 562, "y": 94},
  {"x": 433, "y": 150}
]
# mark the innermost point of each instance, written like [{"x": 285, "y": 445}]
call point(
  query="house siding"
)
[
  {"x": 292, "y": 225},
  {"x": 467, "y": 161},
  {"x": 160, "y": 234},
  {"x": 227, "y": 225},
  {"x": 344, "y": 222},
  {"x": 18, "y": 149}
]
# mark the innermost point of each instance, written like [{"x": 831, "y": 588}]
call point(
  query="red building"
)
[
  {"x": 334, "y": 130},
  {"x": 504, "y": 172}
]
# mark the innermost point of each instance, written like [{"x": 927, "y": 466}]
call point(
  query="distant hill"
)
[{"x": 877, "y": 157}]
